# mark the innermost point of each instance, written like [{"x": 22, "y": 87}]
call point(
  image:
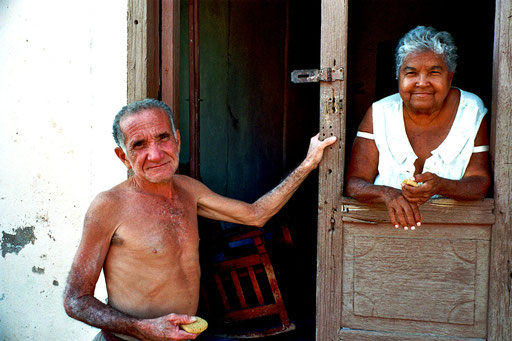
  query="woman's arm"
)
[
  {"x": 361, "y": 173},
  {"x": 473, "y": 186}
]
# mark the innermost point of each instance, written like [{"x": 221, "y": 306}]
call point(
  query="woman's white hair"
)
[{"x": 421, "y": 39}]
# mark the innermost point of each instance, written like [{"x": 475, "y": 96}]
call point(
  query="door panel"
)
[
  {"x": 431, "y": 281},
  {"x": 375, "y": 282}
]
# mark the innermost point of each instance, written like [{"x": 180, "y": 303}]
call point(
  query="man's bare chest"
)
[{"x": 155, "y": 225}]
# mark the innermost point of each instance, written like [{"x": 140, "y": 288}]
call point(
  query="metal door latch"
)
[{"x": 327, "y": 74}]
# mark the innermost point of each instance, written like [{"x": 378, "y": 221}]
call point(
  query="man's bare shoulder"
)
[
  {"x": 112, "y": 196},
  {"x": 108, "y": 203},
  {"x": 190, "y": 185}
]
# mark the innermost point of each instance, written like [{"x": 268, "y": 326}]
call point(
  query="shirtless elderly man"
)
[{"x": 143, "y": 232}]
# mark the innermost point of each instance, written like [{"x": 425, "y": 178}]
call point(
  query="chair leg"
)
[
  {"x": 272, "y": 281},
  {"x": 255, "y": 285}
]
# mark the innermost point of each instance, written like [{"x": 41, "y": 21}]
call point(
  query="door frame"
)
[
  {"x": 153, "y": 71},
  {"x": 330, "y": 206}
]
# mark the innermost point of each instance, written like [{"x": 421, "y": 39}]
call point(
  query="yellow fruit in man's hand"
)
[{"x": 196, "y": 327}]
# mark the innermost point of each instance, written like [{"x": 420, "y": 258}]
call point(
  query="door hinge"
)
[{"x": 327, "y": 74}]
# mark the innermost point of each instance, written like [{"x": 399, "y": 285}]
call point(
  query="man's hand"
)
[
  {"x": 316, "y": 149},
  {"x": 166, "y": 328},
  {"x": 431, "y": 185},
  {"x": 401, "y": 211}
]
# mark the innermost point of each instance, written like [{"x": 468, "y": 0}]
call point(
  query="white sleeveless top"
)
[{"x": 396, "y": 156}]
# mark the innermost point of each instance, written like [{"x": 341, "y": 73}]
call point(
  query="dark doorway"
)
[
  {"x": 256, "y": 126},
  {"x": 375, "y": 26}
]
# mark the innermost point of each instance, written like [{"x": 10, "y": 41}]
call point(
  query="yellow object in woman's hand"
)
[{"x": 410, "y": 182}]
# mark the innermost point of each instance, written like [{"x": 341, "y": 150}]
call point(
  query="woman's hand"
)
[
  {"x": 431, "y": 185},
  {"x": 401, "y": 211}
]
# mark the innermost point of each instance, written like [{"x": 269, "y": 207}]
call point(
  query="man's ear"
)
[
  {"x": 178, "y": 139},
  {"x": 122, "y": 156}
]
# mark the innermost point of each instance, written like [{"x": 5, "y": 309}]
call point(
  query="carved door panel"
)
[{"x": 428, "y": 284}]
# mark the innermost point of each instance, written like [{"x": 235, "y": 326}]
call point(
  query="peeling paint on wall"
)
[{"x": 13, "y": 243}]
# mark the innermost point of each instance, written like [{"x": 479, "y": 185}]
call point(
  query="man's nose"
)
[{"x": 154, "y": 152}]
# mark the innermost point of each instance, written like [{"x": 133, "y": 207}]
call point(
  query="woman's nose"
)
[{"x": 422, "y": 80}]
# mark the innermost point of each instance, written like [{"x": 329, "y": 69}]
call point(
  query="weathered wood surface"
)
[
  {"x": 365, "y": 335},
  {"x": 332, "y": 122},
  {"x": 170, "y": 52},
  {"x": 500, "y": 299},
  {"x": 434, "y": 211},
  {"x": 433, "y": 280},
  {"x": 143, "y": 50}
]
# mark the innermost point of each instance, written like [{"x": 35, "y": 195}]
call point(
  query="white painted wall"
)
[{"x": 62, "y": 80}]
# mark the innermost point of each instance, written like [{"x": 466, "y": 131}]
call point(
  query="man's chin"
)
[
  {"x": 156, "y": 178},
  {"x": 160, "y": 178}
]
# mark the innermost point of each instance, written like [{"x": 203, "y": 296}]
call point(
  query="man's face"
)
[{"x": 151, "y": 149}]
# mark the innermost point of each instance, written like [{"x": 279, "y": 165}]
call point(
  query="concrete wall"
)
[{"x": 62, "y": 79}]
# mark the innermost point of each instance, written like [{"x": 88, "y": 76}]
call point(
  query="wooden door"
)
[
  {"x": 468, "y": 245},
  {"x": 451, "y": 278}
]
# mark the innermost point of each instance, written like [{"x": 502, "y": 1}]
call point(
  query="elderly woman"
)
[{"x": 429, "y": 132}]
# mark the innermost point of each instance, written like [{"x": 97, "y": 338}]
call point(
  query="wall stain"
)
[
  {"x": 2, "y": 298},
  {"x": 13, "y": 243},
  {"x": 42, "y": 217},
  {"x": 38, "y": 270}
]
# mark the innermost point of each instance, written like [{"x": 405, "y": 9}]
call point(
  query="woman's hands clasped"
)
[
  {"x": 401, "y": 211},
  {"x": 403, "y": 206},
  {"x": 430, "y": 185}
]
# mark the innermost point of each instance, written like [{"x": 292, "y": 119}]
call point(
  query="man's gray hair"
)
[
  {"x": 135, "y": 108},
  {"x": 421, "y": 39}
]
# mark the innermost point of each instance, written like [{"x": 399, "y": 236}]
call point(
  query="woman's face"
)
[{"x": 424, "y": 82}]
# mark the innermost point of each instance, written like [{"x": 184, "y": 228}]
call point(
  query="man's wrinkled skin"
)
[{"x": 143, "y": 234}]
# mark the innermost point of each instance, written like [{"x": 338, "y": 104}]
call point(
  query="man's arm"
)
[
  {"x": 79, "y": 300},
  {"x": 214, "y": 206}
]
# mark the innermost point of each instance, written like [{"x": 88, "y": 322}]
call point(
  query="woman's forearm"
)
[
  {"x": 365, "y": 191},
  {"x": 469, "y": 188}
]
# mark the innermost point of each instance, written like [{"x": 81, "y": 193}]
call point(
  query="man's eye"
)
[
  {"x": 165, "y": 137},
  {"x": 137, "y": 145}
]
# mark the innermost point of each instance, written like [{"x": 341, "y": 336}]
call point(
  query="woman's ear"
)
[
  {"x": 122, "y": 156},
  {"x": 450, "y": 77}
]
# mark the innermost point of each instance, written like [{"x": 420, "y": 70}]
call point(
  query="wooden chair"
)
[{"x": 241, "y": 289}]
